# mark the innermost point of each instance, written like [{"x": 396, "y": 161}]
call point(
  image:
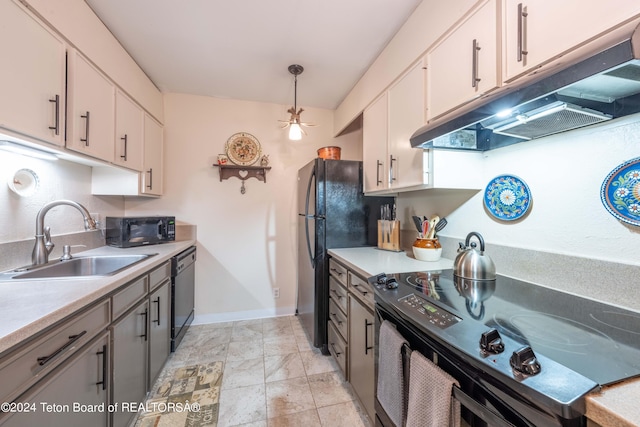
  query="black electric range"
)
[{"x": 556, "y": 345}]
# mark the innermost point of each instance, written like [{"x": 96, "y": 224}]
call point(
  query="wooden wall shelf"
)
[{"x": 243, "y": 173}]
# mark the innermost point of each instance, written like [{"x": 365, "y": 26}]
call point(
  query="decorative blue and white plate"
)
[
  {"x": 620, "y": 192},
  {"x": 507, "y": 197}
]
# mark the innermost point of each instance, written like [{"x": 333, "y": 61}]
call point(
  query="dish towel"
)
[
  {"x": 390, "y": 386},
  {"x": 430, "y": 401}
]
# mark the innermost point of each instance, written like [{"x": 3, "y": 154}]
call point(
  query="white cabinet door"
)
[
  {"x": 464, "y": 65},
  {"x": 129, "y": 144},
  {"x": 407, "y": 114},
  {"x": 151, "y": 182},
  {"x": 91, "y": 110},
  {"x": 374, "y": 146},
  {"x": 539, "y": 30},
  {"x": 32, "y": 76}
]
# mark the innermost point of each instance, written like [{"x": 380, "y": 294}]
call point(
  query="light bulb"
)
[{"x": 295, "y": 132}]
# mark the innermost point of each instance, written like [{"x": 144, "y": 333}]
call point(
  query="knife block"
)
[{"x": 389, "y": 235}]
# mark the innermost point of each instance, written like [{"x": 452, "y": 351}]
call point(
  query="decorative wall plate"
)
[
  {"x": 24, "y": 182},
  {"x": 243, "y": 149},
  {"x": 620, "y": 192},
  {"x": 507, "y": 197}
]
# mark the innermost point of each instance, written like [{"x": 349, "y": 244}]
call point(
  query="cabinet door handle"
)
[
  {"x": 366, "y": 337},
  {"x": 157, "y": 301},
  {"x": 335, "y": 317},
  {"x": 333, "y": 270},
  {"x": 103, "y": 353},
  {"x": 336, "y": 293},
  {"x": 86, "y": 129},
  {"x": 378, "y": 180},
  {"x": 72, "y": 339},
  {"x": 56, "y": 126},
  {"x": 357, "y": 288},
  {"x": 391, "y": 177},
  {"x": 124, "y": 156},
  {"x": 336, "y": 352},
  {"x": 522, "y": 14},
  {"x": 146, "y": 321},
  {"x": 150, "y": 172},
  {"x": 474, "y": 64}
]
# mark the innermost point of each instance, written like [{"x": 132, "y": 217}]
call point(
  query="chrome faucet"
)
[{"x": 44, "y": 245}]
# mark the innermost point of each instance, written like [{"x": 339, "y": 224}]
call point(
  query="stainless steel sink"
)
[{"x": 89, "y": 266}]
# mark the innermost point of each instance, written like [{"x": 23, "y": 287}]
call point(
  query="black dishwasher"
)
[{"x": 182, "y": 294}]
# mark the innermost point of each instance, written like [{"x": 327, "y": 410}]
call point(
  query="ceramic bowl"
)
[{"x": 427, "y": 249}]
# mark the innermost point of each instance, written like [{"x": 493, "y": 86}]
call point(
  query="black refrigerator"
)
[{"x": 333, "y": 213}]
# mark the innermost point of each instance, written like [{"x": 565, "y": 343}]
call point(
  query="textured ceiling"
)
[{"x": 241, "y": 49}]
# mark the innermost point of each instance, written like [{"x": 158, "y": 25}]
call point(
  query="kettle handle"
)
[{"x": 480, "y": 239}]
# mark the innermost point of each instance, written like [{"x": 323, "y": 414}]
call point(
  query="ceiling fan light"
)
[{"x": 295, "y": 132}]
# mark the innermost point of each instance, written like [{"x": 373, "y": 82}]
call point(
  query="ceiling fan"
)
[{"x": 294, "y": 124}]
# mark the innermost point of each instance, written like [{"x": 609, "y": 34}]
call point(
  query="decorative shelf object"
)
[{"x": 243, "y": 173}]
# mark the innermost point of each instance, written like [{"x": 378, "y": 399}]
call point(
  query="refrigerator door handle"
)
[{"x": 306, "y": 217}]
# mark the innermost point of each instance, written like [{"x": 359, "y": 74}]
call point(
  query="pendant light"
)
[{"x": 294, "y": 124}]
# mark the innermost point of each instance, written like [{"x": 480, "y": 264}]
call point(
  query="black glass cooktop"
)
[{"x": 599, "y": 341}]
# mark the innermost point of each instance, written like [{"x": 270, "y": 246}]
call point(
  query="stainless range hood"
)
[{"x": 602, "y": 87}]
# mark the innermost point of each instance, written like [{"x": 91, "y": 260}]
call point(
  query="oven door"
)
[{"x": 483, "y": 401}]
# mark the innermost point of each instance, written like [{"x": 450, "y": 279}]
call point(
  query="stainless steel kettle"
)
[{"x": 473, "y": 264}]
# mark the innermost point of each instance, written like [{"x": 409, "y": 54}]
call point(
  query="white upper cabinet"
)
[
  {"x": 464, "y": 65},
  {"x": 32, "y": 76},
  {"x": 537, "y": 31},
  {"x": 374, "y": 148},
  {"x": 91, "y": 109},
  {"x": 390, "y": 163},
  {"x": 407, "y": 113},
  {"x": 152, "y": 175},
  {"x": 129, "y": 144}
]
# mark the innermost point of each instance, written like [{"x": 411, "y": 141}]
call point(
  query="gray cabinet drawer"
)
[
  {"x": 25, "y": 366},
  {"x": 338, "y": 349},
  {"x": 338, "y": 294},
  {"x": 338, "y": 318},
  {"x": 129, "y": 296},
  {"x": 159, "y": 275},
  {"x": 338, "y": 271},
  {"x": 361, "y": 289}
]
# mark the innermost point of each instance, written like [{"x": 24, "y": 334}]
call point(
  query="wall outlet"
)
[{"x": 276, "y": 292}]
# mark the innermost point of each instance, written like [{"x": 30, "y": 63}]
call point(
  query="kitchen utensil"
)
[
  {"x": 473, "y": 264},
  {"x": 432, "y": 227},
  {"x": 425, "y": 228},
  {"x": 418, "y": 222},
  {"x": 441, "y": 224}
]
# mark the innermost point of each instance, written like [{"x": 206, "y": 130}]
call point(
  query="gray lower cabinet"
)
[
  {"x": 361, "y": 353},
  {"x": 73, "y": 394},
  {"x": 159, "y": 330},
  {"x": 129, "y": 346}
]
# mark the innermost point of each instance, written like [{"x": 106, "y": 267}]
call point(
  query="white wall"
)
[
  {"x": 247, "y": 243},
  {"x": 58, "y": 180},
  {"x": 564, "y": 173}
]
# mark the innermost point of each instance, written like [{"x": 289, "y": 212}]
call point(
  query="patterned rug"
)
[{"x": 189, "y": 394}]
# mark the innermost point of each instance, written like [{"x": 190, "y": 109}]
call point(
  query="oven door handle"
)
[{"x": 487, "y": 415}]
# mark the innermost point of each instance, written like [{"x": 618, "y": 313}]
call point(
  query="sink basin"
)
[{"x": 89, "y": 266}]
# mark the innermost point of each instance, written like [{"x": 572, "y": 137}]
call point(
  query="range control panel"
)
[{"x": 429, "y": 312}]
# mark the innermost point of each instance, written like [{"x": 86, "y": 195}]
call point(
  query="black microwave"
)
[{"x": 126, "y": 232}]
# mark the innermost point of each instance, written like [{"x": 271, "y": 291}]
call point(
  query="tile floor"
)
[{"x": 254, "y": 373}]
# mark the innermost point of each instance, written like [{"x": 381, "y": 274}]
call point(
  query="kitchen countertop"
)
[
  {"x": 369, "y": 261},
  {"x": 615, "y": 405},
  {"x": 29, "y": 307}
]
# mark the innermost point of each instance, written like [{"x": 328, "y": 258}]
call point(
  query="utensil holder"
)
[{"x": 389, "y": 235}]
